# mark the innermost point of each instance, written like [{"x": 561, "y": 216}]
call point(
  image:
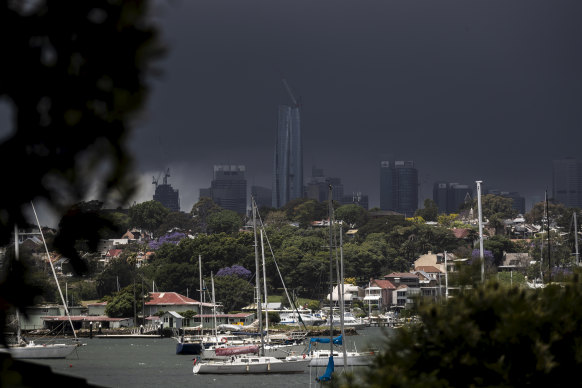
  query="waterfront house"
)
[
  {"x": 172, "y": 301},
  {"x": 384, "y": 301}
]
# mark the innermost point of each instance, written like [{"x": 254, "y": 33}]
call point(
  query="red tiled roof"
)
[
  {"x": 114, "y": 252},
  {"x": 384, "y": 284},
  {"x": 168, "y": 298},
  {"x": 428, "y": 269}
]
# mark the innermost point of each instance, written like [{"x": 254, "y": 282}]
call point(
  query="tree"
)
[
  {"x": 127, "y": 302},
  {"x": 353, "y": 215},
  {"x": 493, "y": 337},
  {"x": 233, "y": 292},
  {"x": 149, "y": 215},
  {"x": 430, "y": 210},
  {"x": 176, "y": 220},
  {"x": 203, "y": 209},
  {"x": 75, "y": 78},
  {"x": 224, "y": 221}
]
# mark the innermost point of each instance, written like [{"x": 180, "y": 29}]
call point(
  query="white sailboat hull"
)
[
  {"x": 252, "y": 365},
  {"x": 40, "y": 351}
]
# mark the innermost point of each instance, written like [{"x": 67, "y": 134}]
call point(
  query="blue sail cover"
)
[
  {"x": 328, "y": 371},
  {"x": 336, "y": 341}
]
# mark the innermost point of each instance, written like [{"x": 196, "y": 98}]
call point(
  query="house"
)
[
  {"x": 514, "y": 261},
  {"x": 351, "y": 293},
  {"x": 380, "y": 293},
  {"x": 133, "y": 235},
  {"x": 172, "y": 301},
  {"x": 96, "y": 309},
  {"x": 436, "y": 260},
  {"x": 403, "y": 296},
  {"x": 403, "y": 278}
]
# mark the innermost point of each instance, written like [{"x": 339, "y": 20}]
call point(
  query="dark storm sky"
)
[{"x": 469, "y": 90}]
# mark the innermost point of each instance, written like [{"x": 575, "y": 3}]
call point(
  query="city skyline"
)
[
  {"x": 470, "y": 91},
  {"x": 484, "y": 90}
]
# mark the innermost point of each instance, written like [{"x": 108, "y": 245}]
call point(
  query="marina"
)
[{"x": 144, "y": 362}]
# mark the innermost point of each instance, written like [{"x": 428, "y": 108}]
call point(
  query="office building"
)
[
  {"x": 229, "y": 188},
  {"x": 399, "y": 187},
  {"x": 288, "y": 160},
  {"x": 165, "y": 194},
  {"x": 450, "y": 196},
  {"x": 318, "y": 187},
  {"x": 357, "y": 198},
  {"x": 567, "y": 182}
]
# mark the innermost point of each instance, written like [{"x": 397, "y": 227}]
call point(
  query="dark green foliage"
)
[
  {"x": 127, "y": 301},
  {"x": 430, "y": 211},
  {"x": 224, "y": 221},
  {"x": 233, "y": 292},
  {"x": 149, "y": 215},
  {"x": 491, "y": 336}
]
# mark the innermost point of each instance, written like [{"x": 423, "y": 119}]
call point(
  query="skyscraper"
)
[
  {"x": 288, "y": 161},
  {"x": 229, "y": 188},
  {"x": 399, "y": 186},
  {"x": 165, "y": 194},
  {"x": 567, "y": 182},
  {"x": 450, "y": 196}
]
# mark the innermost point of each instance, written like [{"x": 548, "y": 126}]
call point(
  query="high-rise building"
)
[
  {"x": 262, "y": 196},
  {"x": 399, "y": 186},
  {"x": 166, "y": 195},
  {"x": 288, "y": 161},
  {"x": 357, "y": 198},
  {"x": 567, "y": 182},
  {"x": 450, "y": 196},
  {"x": 318, "y": 187},
  {"x": 229, "y": 188}
]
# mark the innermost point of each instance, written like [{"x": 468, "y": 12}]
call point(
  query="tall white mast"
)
[
  {"x": 265, "y": 287},
  {"x": 576, "y": 240},
  {"x": 258, "y": 280},
  {"x": 446, "y": 278},
  {"x": 53, "y": 269},
  {"x": 480, "y": 231},
  {"x": 342, "y": 307},
  {"x": 213, "y": 307},
  {"x": 201, "y": 289}
]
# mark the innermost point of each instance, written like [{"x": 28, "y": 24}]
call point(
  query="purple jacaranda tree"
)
[
  {"x": 170, "y": 238},
  {"x": 487, "y": 256},
  {"x": 235, "y": 270}
]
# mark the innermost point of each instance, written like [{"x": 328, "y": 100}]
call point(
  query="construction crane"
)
[
  {"x": 295, "y": 103},
  {"x": 156, "y": 180}
]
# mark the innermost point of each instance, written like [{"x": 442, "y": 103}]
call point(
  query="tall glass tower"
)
[
  {"x": 399, "y": 187},
  {"x": 288, "y": 161},
  {"x": 567, "y": 182}
]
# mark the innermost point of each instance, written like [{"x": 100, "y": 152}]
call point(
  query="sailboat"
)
[
  {"x": 31, "y": 350},
  {"x": 251, "y": 364},
  {"x": 332, "y": 357}
]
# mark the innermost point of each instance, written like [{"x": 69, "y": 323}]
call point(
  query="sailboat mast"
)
[
  {"x": 265, "y": 287},
  {"x": 53, "y": 269},
  {"x": 213, "y": 307},
  {"x": 330, "y": 277},
  {"x": 342, "y": 307},
  {"x": 201, "y": 289},
  {"x": 17, "y": 257},
  {"x": 549, "y": 246},
  {"x": 258, "y": 281},
  {"x": 480, "y": 230},
  {"x": 576, "y": 240}
]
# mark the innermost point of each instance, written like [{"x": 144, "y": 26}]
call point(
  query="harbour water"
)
[{"x": 145, "y": 362}]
